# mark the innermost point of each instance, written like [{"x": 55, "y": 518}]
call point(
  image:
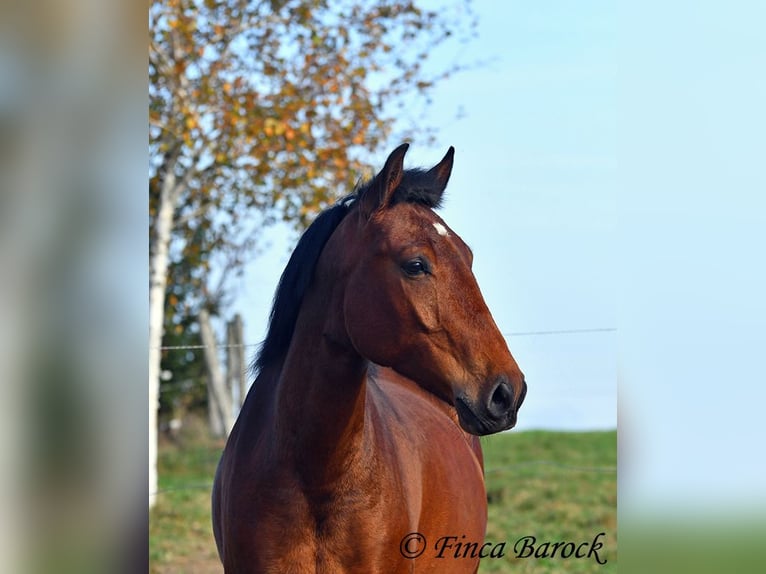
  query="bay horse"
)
[{"x": 357, "y": 449}]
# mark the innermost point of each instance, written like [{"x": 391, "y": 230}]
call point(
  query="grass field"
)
[{"x": 557, "y": 487}]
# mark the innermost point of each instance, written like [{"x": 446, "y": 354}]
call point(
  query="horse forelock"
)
[{"x": 417, "y": 186}]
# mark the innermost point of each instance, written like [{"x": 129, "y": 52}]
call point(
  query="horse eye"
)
[{"x": 414, "y": 268}]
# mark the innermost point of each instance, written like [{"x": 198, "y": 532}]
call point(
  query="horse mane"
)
[{"x": 417, "y": 186}]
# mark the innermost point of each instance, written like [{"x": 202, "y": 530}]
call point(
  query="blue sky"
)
[
  {"x": 532, "y": 192},
  {"x": 692, "y": 219}
]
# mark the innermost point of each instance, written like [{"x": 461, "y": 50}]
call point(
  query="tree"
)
[
  {"x": 186, "y": 389},
  {"x": 263, "y": 111}
]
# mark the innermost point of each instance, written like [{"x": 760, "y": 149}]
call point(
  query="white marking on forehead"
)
[{"x": 441, "y": 230}]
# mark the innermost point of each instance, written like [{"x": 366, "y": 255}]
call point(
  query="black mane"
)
[{"x": 417, "y": 186}]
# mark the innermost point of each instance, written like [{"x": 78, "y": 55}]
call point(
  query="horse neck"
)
[{"x": 321, "y": 396}]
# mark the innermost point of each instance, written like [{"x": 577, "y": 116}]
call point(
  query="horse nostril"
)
[{"x": 501, "y": 400}]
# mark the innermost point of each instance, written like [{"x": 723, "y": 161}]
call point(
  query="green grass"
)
[
  {"x": 550, "y": 485},
  {"x": 556, "y": 487},
  {"x": 180, "y": 532}
]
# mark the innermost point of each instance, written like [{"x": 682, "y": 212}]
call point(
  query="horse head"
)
[{"x": 410, "y": 300}]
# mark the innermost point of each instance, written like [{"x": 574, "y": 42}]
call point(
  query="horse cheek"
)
[{"x": 425, "y": 306}]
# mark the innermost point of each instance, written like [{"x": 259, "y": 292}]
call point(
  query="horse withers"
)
[{"x": 357, "y": 447}]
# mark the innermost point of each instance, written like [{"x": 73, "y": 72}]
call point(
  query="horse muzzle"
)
[{"x": 495, "y": 412}]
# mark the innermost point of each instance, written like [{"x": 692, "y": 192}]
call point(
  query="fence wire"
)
[{"x": 511, "y": 334}]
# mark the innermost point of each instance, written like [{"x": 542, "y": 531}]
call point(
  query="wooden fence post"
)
[
  {"x": 219, "y": 400},
  {"x": 238, "y": 367}
]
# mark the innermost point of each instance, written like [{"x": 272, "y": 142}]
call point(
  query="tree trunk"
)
[
  {"x": 219, "y": 400},
  {"x": 158, "y": 267}
]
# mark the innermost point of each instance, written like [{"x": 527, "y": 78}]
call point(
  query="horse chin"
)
[{"x": 480, "y": 426}]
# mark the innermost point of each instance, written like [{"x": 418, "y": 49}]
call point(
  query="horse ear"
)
[
  {"x": 442, "y": 170},
  {"x": 383, "y": 185}
]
